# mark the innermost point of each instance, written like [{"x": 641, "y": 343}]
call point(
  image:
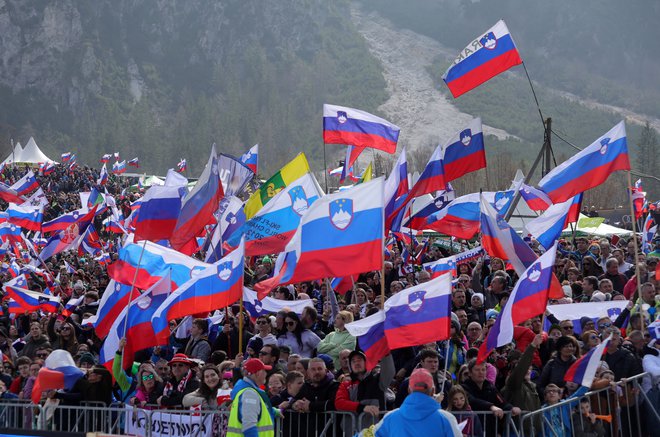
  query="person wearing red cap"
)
[
  {"x": 419, "y": 414},
  {"x": 252, "y": 414},
  {"x": 183, "y": 382}
]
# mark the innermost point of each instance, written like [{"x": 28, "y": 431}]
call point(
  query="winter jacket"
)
[
  {"x": 623, "y": 363},
  {"x": 357, "y": 393},
  {"x": 151, "y": 398},
  {"x": 419, "y": 415},
  {"x": 309, "y": 343},
  {"x": 198, "y": 348},
  {"x": 335, "y": 342},
  {"x": 31, "y": 345},
  {"x": 583, "y": 427},
  {"x": 519, "y": 391},
  {"x": 554, "y": 371},
  {"x": 321, "y": 398},
  {"x": 481, "y": 399},
  {"x": 175, "y": 398}
]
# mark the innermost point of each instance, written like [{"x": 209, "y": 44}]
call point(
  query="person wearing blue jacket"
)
[{"x": 419, "y": 414}]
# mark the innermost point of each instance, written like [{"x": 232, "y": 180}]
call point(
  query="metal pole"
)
[
  {"x": 325, "y": 170},
  {"x": 634, "y": 230},
  {"x": 528, "y": 176}
]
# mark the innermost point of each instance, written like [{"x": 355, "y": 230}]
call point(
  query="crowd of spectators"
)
[{"x": 317, "y": 366}]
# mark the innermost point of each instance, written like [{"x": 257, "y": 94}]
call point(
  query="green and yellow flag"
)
[
  {"x": 367, "y": 175},
  {"x": 287, "y": 174}
]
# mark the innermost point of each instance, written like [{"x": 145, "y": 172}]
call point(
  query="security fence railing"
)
[{"x": 618, "y": 410}]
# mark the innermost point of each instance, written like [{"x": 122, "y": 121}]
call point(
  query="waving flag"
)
[
  {"x": 528, "y": 299},
  {"x": 140, "y": 332},
  {"x": 341, "y": 234},
  {"x": 119, "y": 167},
  {"x": 343, "y": 125},
  {"x": 26, "y": 184},
  {"x": 292, "y": 171},
  {"x": 103, "y": 259},
  {"x": 59, "y": 372},
  {"x": 536, "y": 199},
  {"x": 182, "y": 165},
  {"x": 272, "y": 227},
  {"x": 155, "y": 263},
  {"x": 27, "y": 217},
  {"x": 9, "y": 232},
  {"x": 649, "y": 228},
  {"x": 64, "y": 221},
  {"x": 464, "y": 152},
  {"x": 396, "y": 191},
  {"x": 113, "y": 225},
  {"x": 370, "y": 334},
  {"x": 230, "y": 219},
  {"x": 217, "y": 286},
  {"x": 638, "y": 198},
  {"x": 460, "y": 218},
  {"x": 432, "y": 177},
  {"x": 440, "y": 267},
  {"x": 424, "y": 206},
  {"x": 66, "y": 157},
  {"x": 135, "y": 162},
  {"x": 159, "y": 212},
  {"x": 103, "y": 176},
  {"x": 251, "y": 158},
  {"x": 47, "y": 168},
  {"x": 547, "y": 227},
  {"x": 114, "y": 299},
  {"x": 38, "y": 198},
  {"x": 67, "y": 238},
  {"x": 419, "y": 314},
  {"x": 583, "y": 371},
  {"x": 270, "y": 305},
  {"x": 105, "y": 158},
  {"x": 593, "y": 310},
  {"x": 31, "y": 300},
  {"x": 89, "y": 242},
  {"x": 342, "y": 284},
  {"x": 198, "y": 206},
  {"x": 8, "y": 194},
  {"x": 500, "y": 240},
  {"x": 588, "y": 168},
  {"x": 484, "y": 58}
]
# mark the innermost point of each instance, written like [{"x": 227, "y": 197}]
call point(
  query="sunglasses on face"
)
[
  {"x": 604, "y": 325},
  {"x": 262, "y": 353},
  {"x": 290, "y": 323},
  {"x": 261, "y": 322},
  {"x": 42, "y": 355},
  {"x": 147, "y": 377},
  {"x": 566, "y": 328}
]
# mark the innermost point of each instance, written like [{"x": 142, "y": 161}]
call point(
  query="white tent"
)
[
  {"x": 32, "y": 154},
  {"x": 15, "y": 155},
  {"x": 585, "y": 226}
]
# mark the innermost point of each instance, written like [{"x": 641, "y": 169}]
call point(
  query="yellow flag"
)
[
  {"x": 367, "y": 175},
  {"x": 292, "y": 171}
]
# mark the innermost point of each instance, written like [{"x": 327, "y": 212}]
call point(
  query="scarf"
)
[{"x": 181, "y": 386}]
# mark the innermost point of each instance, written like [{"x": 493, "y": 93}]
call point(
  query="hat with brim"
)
[{"x": 182, "y": 358}]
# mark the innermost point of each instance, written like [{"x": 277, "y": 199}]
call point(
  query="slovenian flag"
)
[
  {"x": 343, "y": 125},
  {"x": 464, "y": 152},
  {"x": 370, "y": 335},
  {"x": 26, "y": 184},
  {"x": 59, "y": 372},
  {"x": 547, "y": 227},
  {"x": 528, "y": 299},
  {"x": 251, "y": 158},
  {"x": 583, "y": 371},
  {"x": 440, "y": 267},
  {"x": 25, "y": 216},
  {"x": 484, "y": 58},
  {"x": 341, "y": 234},
  {"x": 589, "y": 167}
]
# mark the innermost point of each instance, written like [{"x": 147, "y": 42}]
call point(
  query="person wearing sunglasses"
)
[
  {"x": 183, "y": 381},
  {"x": 149, "y": 388},
  {"x": 301, "y": 341},
  {"x": 264, "y": 331}
]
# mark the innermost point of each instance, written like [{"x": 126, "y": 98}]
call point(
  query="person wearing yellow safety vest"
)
[{"x": 251, "y": 414}]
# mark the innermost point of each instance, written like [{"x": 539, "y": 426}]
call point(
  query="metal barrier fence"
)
[{"x": 622, "y": 409}]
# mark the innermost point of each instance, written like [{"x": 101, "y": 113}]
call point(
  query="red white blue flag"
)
[
  {"x": 341, "y": 234},
  {"x": 217, "y": 286},
  {"x": 589, "y": 167},
  {"x": 25, "y": 216},
  {"x": 159, "y": 212},
  {"x": 547, "y": 227},
  {"x": 370, "y": 334},
  {"x": 583, "y": 371},
  {"x": 484, "y": 58},
  {"x": 464, "y": 152},
  {"x": 419, "y": 314},
  {"x": 528, "y": 299},
  {"x": 251, "y": 158},
  {"x": 343, "y": 125},
  {"x": 535, "y": 198},
  {"x": 26, "y": 184}
]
